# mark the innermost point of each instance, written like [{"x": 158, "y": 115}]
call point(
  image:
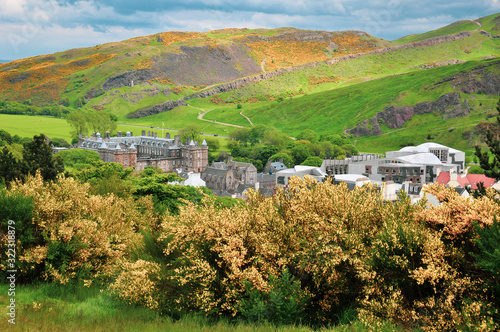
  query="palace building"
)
[{"x": 149, "y": 150}]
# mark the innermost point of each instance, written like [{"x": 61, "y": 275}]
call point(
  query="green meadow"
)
[{"x": 28, "y": 126}]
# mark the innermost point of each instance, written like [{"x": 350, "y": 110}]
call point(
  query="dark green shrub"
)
[
  {"x": 488, "y": 259},
  {"x": 284, "y": 303},
  {"x": 19, "y": 208}
]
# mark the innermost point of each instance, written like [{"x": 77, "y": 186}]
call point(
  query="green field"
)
[{"x": 27, "y": 126}]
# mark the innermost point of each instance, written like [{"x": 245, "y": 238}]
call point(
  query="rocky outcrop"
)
[
  {"x": 93, "y": 93},
  {"x": 164, "y": 107},
  {"x": 448, "y": 105},
  {"x": 129, "y": 78},
  {"x": 476, "y": 80}
]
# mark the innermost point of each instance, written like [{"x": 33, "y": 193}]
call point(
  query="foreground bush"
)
[
  {"x": 345, "y": 249},
  {"x": 73, "y": 234}
]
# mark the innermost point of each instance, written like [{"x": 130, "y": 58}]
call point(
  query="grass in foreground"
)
[{"x": 52, "y": 307}]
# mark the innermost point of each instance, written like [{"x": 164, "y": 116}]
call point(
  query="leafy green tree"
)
[
  {"x": 80, "y": 102},
  {"x": 491, "y": 166},
  {"x": 223, "y": 155},
  {"x": 300, "y": 152},
  {"x": 5, "y": 137},
  {"x": 78, "y": 122},
  {"x": 327, "y": 149},
  {"x": 9, "y": 166},
  {"x": 37, "y": 155},
  {"x": 213, "y": 144},
  {"x": 99, "y": 121},
  {"x": 313, "y": 161},
  {"x": 167, "y": 197},
  {"x": 276, "y": 138},
  {"x": 241, "y": 135},
  {"x": 335, "y": 139},
  {"x": 287, "y": 159},
  {"x": 308, "y": 135},
  {"x": 192, "y": 132},
  {"x": 265, "y": 152},
  {"x": 60, "y": 142},
  {"x": 79, "y": 158},
  {"x": 488, "y": 258},
  {"x": 257, "y": 134},
  {"x": 350, "y": 150}
]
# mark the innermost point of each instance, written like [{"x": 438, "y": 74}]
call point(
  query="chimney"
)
[
  {"x": 453, "y": 175},
  {"x": 177, "y": 139},
  {"x": 107, "y": 135},
  {"x": 119, "y": 134},
  {"x": 156, "y": 134},
  {"x": 131, "y": 134},
  {"x": 167, "y": 135},
  {"x": 143, "y": 133}
]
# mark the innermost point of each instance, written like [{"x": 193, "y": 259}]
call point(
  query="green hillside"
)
[
  {"x": 287, "y": 78},
  {"x": 489, "y": 24},
  {"x": 340, "y": 109}
]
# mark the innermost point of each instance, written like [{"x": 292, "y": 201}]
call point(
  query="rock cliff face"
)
[
  {"x": 129, "y": 78},
  {"x": 164, "y": 107},
  {"x": 448, "y": 105}
]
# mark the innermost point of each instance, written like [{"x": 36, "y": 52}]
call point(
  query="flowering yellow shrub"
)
[
  {"x": 80, "y": 236},
  {"x": 458, "y": 213},
  {"x": 138, "y": 283},
  {"x": 392, "y": 261}
]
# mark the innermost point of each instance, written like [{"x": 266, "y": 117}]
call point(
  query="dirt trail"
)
[
  {"x": 200, "y": 117},
  {"x": 246, "y": 117}
]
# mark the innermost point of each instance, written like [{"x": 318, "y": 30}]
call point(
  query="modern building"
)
[
  {"x": 416, "y": 165},
  {"x": 149, "y": 150},
  {"x": 282, "y": 177},
  {"x": 446, "y": 155}
]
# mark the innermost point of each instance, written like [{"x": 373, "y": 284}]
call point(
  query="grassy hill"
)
[
  {"x": 289, "y": 78},
  {"x": 489, "y": 24},
  {"x": 339, "y": 109},
  {"x": 177, "y": 60}
]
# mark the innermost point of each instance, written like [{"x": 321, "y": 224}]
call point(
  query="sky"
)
[{"x": 36, "y": 27}]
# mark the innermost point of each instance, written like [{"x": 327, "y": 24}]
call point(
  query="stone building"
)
[
  {"x": 149, "y": 150},
  {"x": 222, "y": 176}
]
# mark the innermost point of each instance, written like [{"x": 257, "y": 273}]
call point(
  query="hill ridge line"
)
[{"x": 240, "y": 82}]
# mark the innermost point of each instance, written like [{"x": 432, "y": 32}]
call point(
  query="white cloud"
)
[
  {"x": 29, "y": 27},
  {"x": 12, "y": 8}
]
